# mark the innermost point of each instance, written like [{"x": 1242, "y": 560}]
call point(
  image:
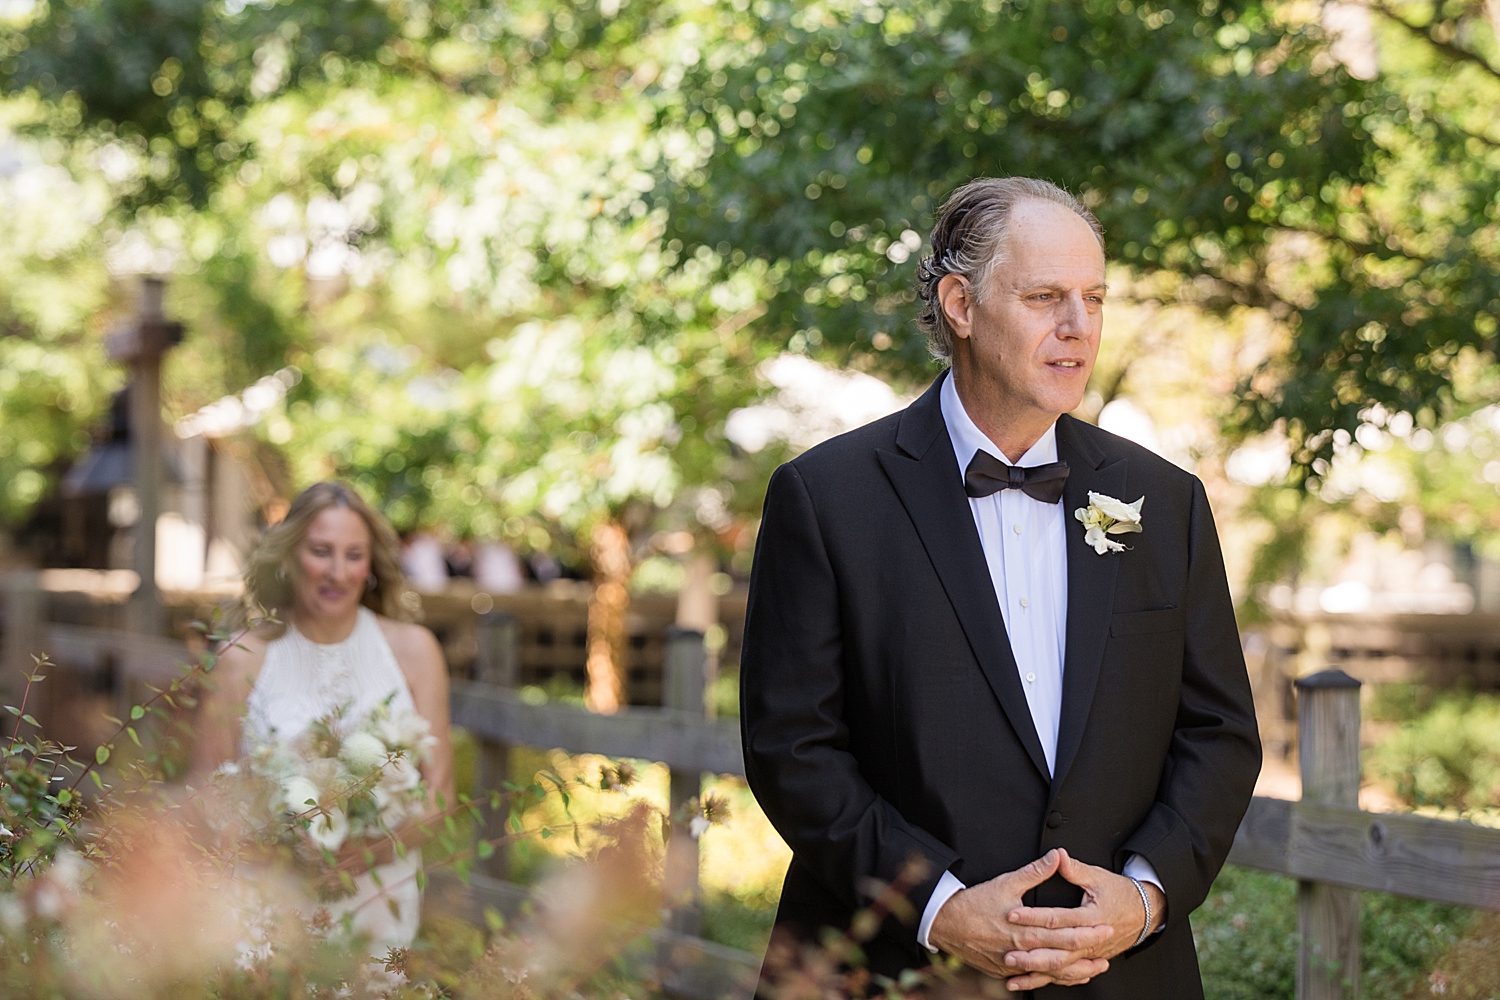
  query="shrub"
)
[
  {"x": 1446, "y": 756},
  {"x": 1246, "y": 933}
]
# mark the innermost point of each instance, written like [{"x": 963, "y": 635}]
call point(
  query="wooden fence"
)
[
  {"x": 1438, "y": 651},
  {"x": 1325, "y": 841}
]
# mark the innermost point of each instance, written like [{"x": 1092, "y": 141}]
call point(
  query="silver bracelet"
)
[{"x": 1146, "y": 902}]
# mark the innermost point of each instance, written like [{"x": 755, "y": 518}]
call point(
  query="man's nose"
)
[{"x": 1072, "y": 320}]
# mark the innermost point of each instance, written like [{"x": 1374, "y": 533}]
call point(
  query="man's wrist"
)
[
  {"x": 1138, "y": 868},
  {"x": 1158, "y": 906},
  {"x": 1147, "y": 916},
  {"x": 948, "y": 886}
]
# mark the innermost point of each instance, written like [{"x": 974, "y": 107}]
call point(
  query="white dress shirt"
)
[{"x": 1026, "y": 551}]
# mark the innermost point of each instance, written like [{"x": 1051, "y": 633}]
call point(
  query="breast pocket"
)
[{"x": 1147, "y": 622}]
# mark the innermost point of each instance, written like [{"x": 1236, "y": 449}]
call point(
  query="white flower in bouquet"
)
[
  {"x": 349, "y": 778},
  {"x": 329, "y": 828},
  {"x": 299, "y": 794},
  {"x": 363, "y": 752},
  {"x": 400, "y": 775},
  {"x": 402, "y": 730}
]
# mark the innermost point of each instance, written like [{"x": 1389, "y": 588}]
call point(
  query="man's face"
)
[{"x": 1035, "y": 335}]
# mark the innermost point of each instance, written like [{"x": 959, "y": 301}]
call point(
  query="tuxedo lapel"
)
[
  {"x": 1091, "y": 587},
  {"x": 927, "y": 479}
]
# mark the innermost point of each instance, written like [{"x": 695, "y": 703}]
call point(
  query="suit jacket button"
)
[{"x": 1054, "y": 820}]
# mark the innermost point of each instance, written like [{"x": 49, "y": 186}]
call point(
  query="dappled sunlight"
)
[{"x": 743, "y": 857}]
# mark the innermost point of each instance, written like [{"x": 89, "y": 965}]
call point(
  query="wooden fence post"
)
[
  {"x": 24, "y": 613},
  {"x": 1327, "y": 915},
  {"x": 683, "y": 679},
  {"x": 497, "y": 663}
]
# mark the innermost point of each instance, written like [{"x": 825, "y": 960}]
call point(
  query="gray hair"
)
[{"x": 969, "y": 239}]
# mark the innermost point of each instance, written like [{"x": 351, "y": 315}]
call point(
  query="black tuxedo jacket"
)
[{"x": 883, "y": 716}]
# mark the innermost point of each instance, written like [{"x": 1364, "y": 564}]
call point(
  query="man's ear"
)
[{"x": 956, "y": 303}]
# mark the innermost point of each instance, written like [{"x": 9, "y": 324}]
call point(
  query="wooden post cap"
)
[{"x": 1327, "y": 679}]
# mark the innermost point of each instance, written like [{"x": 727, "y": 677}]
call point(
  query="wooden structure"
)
[
  {"x": 1325, "y": 842},
  {"x": 551, "y": 630},
  {"x": 91, "y": 668},
  {"x": 141, "y": 344},
  {"x": 1335, "y": 850},
  {"x": 1440, "y": 651}
]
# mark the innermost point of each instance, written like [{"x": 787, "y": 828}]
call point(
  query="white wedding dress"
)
[{"x": 303, "y": 681}]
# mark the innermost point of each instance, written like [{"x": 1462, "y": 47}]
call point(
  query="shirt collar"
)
[{"x": 967, "y": 438}]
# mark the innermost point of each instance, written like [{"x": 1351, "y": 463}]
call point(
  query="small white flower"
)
[
  {"x": 362, "y": 752},
  {"x": 399, "y": 775},
  {"x": 299, "y": 794},
  {"x": 12, "y": 914},
  {"x": 58, "y": 888},
  {"x": 49, "y": 903},
  {"x": 403, "y": 729},
  {"x": 698, "y": 826},
  {"x": 68, "y": 870},
  {"x": 1105, "y": 516},
  {"x": 251, "y": 955},
  {"x": 329, "y": 828}
]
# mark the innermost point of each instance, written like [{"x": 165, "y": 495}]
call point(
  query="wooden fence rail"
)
[
  {"x": 1416, "y": 856},
  {"x": 677, "y": 738},
  {"x": 137, "y": 657}
]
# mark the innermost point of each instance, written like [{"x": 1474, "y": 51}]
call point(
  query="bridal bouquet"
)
[{"x": 349, "y": 779}]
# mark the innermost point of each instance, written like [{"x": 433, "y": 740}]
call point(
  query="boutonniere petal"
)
[{"x": 1105, "y": 516}]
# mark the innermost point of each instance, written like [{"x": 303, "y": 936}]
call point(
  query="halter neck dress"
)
[{"x": 303, "y": 681}]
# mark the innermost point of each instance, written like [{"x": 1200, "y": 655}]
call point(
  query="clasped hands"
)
[{"x": 1030, "y": 946}]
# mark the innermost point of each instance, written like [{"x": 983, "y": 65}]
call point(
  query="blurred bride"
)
[{"x": 331, "y": 572}]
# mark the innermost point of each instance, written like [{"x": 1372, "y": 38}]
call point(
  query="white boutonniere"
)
[{"x": 1105, "y": 516}]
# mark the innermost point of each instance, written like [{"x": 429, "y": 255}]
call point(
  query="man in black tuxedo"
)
[{"x": 953, "y": 653}]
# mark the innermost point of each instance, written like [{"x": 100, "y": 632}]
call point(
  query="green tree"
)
[
  {"x": 1220, "y": 144},
  {"x": 436, "y": 212}
]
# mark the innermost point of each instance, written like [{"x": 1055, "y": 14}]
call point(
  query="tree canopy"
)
[
  {"x": 334, "y": 185},
  {"x": 1220, "y": 144}
]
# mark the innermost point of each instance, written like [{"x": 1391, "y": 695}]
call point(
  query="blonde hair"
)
[
  {"x": 269, "y": 586},
  {"x": 969, "y": 239}
]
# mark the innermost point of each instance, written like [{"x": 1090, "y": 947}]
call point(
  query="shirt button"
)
[
  {"x": 1031, "y": 678},
  {"x": 1025, "y": 603},
  {"x": 1017, "y": 527}
]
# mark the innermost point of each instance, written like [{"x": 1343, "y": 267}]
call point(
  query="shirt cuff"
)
[
  {"x": 947, "y": 887},
  {"x": 1139, "y": 868}
]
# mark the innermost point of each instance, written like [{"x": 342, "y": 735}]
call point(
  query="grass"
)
[
  {"x": 1246, "y": 933},
  {"x": 742, "y": 861},
  {"x": 727, "y": 920}
]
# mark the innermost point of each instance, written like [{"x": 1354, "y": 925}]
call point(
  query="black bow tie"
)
[{"x": 986, "y": 474}]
